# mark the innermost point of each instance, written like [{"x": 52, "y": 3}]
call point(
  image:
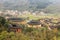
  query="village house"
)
[
  {"x": 46, "y": 22},
  {"x": 17, "y": 20},
  {"x": 14, "y": 28},
  {"x": 34, "y": 23}
]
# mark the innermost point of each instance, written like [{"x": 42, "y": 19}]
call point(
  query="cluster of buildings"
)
[
  {"x": 10, "y": 13},
  {"x": 15, "y": 13},
  {"x": 15, "y": 23}
]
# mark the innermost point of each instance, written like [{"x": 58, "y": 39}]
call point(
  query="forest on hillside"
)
[
  {"x": 24, "y": 4},
  {"x": 48, "y": 6}
]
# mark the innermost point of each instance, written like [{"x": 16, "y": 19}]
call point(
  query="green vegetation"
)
[
  {"x": 3, "y": 24},
  {"x": 27, "y": 33}
]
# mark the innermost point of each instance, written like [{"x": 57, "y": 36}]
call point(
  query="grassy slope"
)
[{"x": 42, "y": 16}]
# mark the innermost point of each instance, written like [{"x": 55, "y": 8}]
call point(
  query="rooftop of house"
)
[
  {"x": 34, "y": 22},
  {"x": 16, "y": 19},
  {"x": 14, "y": 26}
]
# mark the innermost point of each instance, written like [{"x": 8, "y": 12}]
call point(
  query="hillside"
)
[
  {"x": 53, "y": 8},
  {"x": 48, "y": 6},
  {"x": 24, "y": 4}
]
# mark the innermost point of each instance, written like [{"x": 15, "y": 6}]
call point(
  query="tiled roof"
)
[
  {"x": 34, "y": 22},
  {"x": 16, "y": 19}
]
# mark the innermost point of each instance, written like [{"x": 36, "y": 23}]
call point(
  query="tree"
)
[{"x": 3, "y": 24}]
